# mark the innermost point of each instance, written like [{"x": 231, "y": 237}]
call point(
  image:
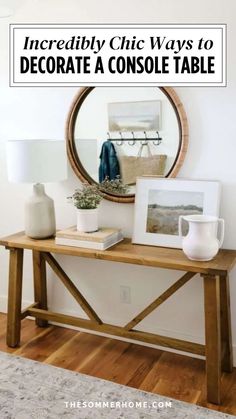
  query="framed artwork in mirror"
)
[
  {"x": 116, "y": 134},
  {"x": 130, "y": 117}
]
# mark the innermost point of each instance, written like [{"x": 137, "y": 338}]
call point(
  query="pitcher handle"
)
[
  {"x": 222, "y": 231},
  {"x": 181, "y": 217}
]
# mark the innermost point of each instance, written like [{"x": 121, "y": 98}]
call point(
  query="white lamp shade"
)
[{"x": 36, "y": 161}]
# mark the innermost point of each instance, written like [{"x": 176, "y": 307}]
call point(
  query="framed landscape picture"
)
[
  {"x": 135, "y": 116},
  {"x": 160, "y": 202}
]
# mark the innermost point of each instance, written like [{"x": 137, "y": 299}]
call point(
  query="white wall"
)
[{"x": 41, "y": 113}]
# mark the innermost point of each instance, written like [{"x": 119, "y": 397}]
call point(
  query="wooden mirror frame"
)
[{"x": 74, "y": 158}]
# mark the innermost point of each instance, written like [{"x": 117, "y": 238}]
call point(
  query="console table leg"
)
[
  {"x": 213, "y": 339},
  {"x": 14, "y": 297},
  {"x": 226, "y": 334},
  {"x": 40, "y": 284}
]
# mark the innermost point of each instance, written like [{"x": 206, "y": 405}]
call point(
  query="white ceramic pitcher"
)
[{"x": 201, "y": 242}]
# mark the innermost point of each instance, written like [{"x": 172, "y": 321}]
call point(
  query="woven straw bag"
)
[{"x": 132, "y": 167}]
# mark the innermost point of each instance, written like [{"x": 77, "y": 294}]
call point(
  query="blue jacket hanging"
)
[{"x": 109, "y": 164}]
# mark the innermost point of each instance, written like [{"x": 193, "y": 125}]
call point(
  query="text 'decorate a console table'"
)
[{"x": 218, "y": 340}]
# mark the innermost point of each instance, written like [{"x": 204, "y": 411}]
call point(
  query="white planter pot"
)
[{"x": 87, "y": 220}]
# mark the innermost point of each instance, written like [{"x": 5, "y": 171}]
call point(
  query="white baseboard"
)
[{"x": 174, "y": 334}]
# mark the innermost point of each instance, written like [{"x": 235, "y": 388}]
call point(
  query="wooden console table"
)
[{"x": 218, "y": 342}]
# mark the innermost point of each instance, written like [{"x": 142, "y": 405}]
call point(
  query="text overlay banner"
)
[{"x": 110, "y": 55}]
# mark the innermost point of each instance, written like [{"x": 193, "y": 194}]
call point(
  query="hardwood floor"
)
[{"x": 148, "y": 369}]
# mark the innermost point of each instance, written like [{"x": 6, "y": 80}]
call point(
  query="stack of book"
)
[{"x": 99, "y": 240}]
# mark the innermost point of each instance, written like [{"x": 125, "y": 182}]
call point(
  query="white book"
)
[{"x": 63, "y": 241}]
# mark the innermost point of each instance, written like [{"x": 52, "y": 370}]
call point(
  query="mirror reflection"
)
[{"x": 121, "y": 133}]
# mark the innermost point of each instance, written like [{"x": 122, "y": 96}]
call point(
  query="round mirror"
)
[{"x": 116, "y": 134}]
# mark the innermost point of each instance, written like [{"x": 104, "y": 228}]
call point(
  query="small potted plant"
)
[{"x": 87, "y": 199}]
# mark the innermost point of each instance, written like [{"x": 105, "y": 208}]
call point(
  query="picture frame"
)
[
  {"x": 134, "y": 116},
  {"x": 159, "y": 203}
]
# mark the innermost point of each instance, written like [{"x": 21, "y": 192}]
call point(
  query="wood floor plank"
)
[
  {"x": 147, "y": 360},
  {"x": 228, "y": 389},
  {"x": 228, "y": 384},
  {"x": 186, "y": 370},
  {"x": 28, "y": 332},
  {"x": 44, "y": 345},
  {"x": 176, "y": 390},
  {"x": 128, "y": 367},
  {"x": 83, "y": 346},
  {"x": 160, "y": 372},
  {"x": 104, "y": 359}
]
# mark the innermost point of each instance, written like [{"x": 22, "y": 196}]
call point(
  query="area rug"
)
[{"x": 32, "y": 390}]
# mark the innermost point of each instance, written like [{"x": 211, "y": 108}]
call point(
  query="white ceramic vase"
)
[
  {"x": 87, "y": 220},
  {"x": 201, "y": 242}
]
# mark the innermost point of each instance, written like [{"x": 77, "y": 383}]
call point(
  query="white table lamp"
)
[{"x": 36, "y": 161}]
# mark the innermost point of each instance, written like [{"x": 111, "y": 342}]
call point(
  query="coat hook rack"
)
[{"x": 132, "y": 141}]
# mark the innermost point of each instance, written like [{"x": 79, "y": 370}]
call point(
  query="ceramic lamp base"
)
[{"x": 39, "y": 214}]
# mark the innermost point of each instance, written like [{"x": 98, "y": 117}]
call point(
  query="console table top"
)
[{"x": 127, "y": 252}]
